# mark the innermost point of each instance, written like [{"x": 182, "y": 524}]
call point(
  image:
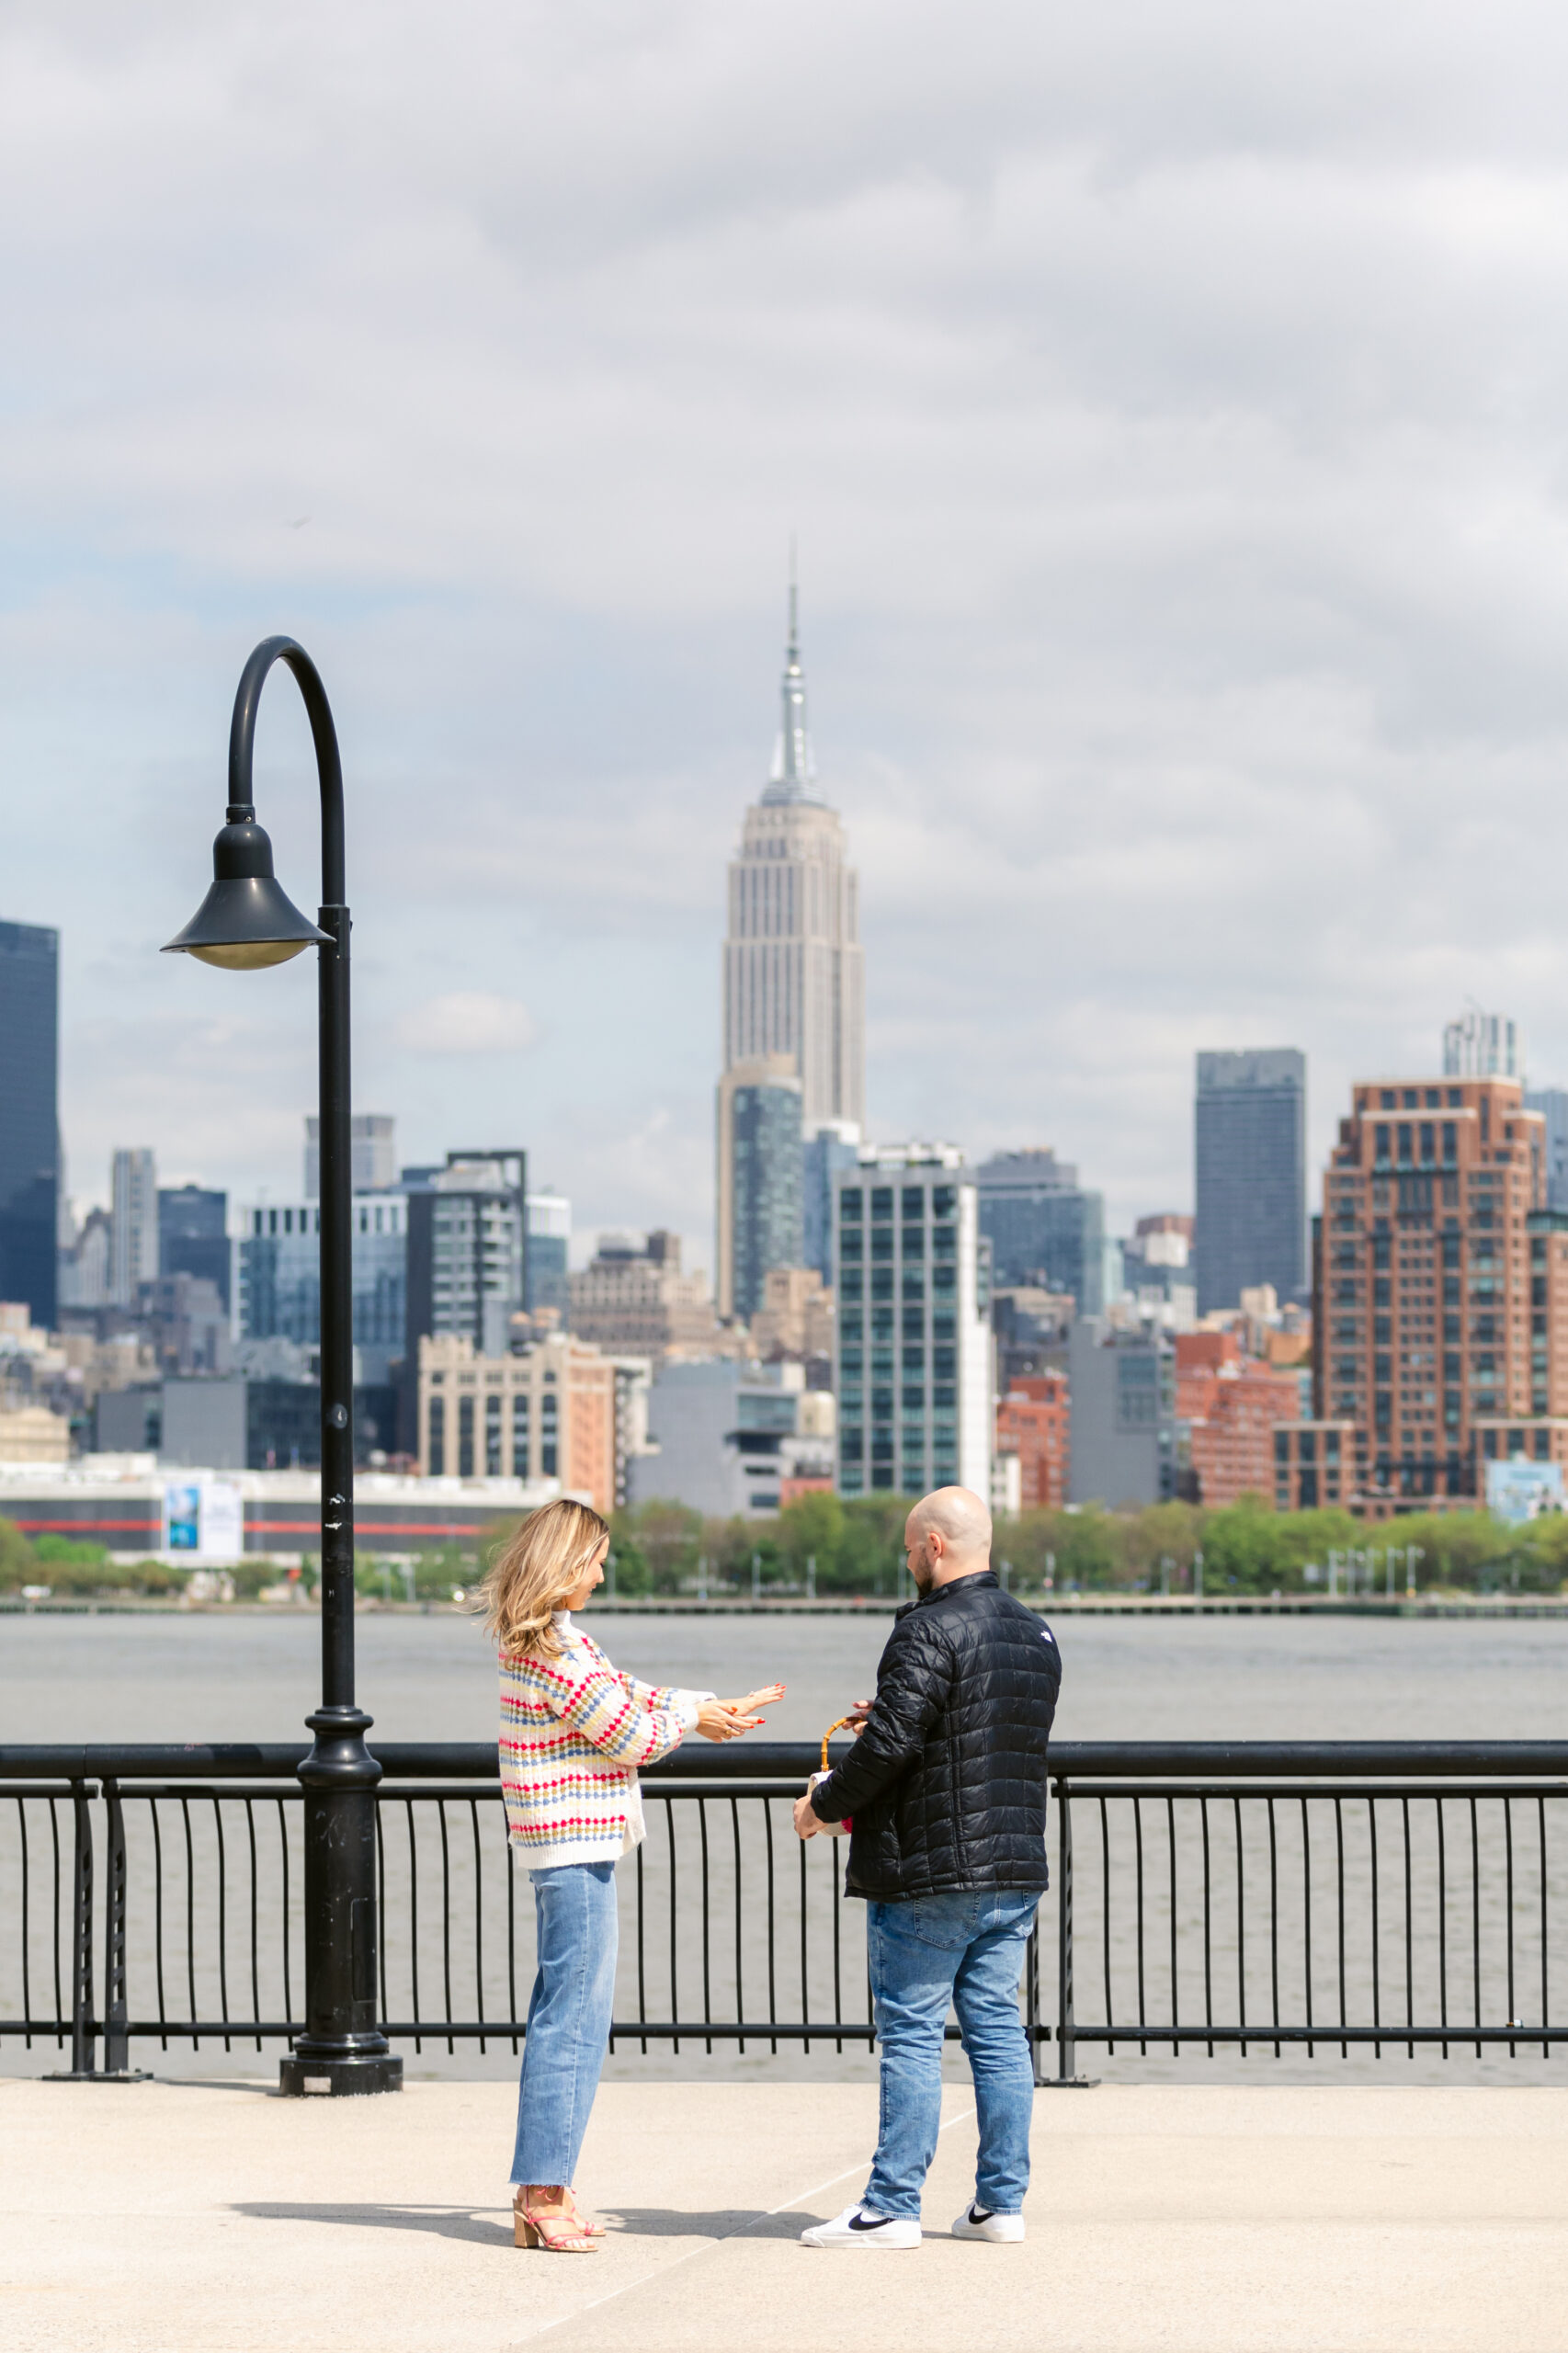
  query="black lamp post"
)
[{"x": 245, "y": 922}]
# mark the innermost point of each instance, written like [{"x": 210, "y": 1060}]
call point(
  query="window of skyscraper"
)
[
  {"x": 849, "y": 1202},
  {"x": 882, "y": 1201},
  {"x": 915, "y": 1200}
]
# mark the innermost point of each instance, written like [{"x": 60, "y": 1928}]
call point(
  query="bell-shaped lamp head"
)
[{"x": 245, "y": 920}]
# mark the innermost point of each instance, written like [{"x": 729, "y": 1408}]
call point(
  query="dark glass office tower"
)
[
  {"x": 193, "y": 1234},
  {"x": 29, "y": 1115},
  {"x": 1251, "y": 1155},
  {"x": 765, "y": 1174},
  {"x": 1044, "y": 1229}
]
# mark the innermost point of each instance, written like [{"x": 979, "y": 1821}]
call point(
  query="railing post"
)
[
  {"x": 82, "y": 2029},
  {"x": 1066, "y": 2076},
  {"x": 1066, "y": 2038},
  {"x": 117, "y": 2043}
]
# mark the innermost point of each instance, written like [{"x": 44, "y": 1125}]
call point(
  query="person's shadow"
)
[{"x": 493, "y": 2227}]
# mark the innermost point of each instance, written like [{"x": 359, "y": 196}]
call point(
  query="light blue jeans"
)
[
  {"x": 569, "y": 2017},
  {"x": 966, "y": 1950}
]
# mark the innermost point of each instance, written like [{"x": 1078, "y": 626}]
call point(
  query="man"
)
[{"x": 945, "y": 1785}]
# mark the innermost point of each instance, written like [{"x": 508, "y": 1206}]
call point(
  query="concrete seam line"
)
[{"x": 707, "y": 2246}]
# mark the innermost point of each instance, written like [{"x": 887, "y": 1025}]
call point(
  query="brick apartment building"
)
[
  {"x": 1440, "y": 1289},
  {"x": 1230, "y": 1406},
  {"x": 1033, "y": 1422}
]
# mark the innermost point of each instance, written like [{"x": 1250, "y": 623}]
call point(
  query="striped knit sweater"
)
[{"x": 573, "y": 1731}]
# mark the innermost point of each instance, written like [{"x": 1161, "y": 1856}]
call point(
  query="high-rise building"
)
[
  {"x": 545, "y": 1411},
  {"x": 760, "y": 1172},
  {"x": 1121, "y": 1384},
  {"x": 84, "y": 1267},
  {"x": 1034, "y": 1423},
  {"x": 1251, "y": 1170},
  {"x": 914, "y": 1371},
  {"x": 550, "y": 1243},
  {"x": 133, "y": 1225},
  {"x": 1551, "y": 1102},
  {"x": 1229, "y": 1406},
  {"x": 29, "y": 1116},
  {"x": 1440, "y": 1312},
  {"x": 467, "y": 1250},
  {"x": 373, "y": 1154},
  {"x": 633, "y": 1299},
  {"x": 793, "y": 964},
  {"x": 277, "y": 1248},
  {"x": 724, "y": 1439},
  {"x": 1483, "y": 1045},
  {"x": 1046, "y": 1232},
  {"x": 833, "y": 1146},
  {"x": 1157, "y": 1270},
  {"x": 193, "y": 1235}
]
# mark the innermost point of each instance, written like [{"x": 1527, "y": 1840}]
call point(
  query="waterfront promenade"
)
[{"x": 185, "y": 2218}]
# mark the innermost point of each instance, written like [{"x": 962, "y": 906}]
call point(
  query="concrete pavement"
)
[{"x": 183, "y": 2218}]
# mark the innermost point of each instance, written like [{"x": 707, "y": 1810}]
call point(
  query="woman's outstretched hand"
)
[{"x": 727, "y": 1719}]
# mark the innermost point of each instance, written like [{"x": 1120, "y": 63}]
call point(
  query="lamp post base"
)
[{"x": 338, "y": 2079}]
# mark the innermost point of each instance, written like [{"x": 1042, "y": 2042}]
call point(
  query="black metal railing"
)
[{"x": 1257, "y": 1895}]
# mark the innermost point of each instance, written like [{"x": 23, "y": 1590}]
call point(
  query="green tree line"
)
[
  {"x": 1247, "y": 1547},
  {"x": 855, "y": 1547}
]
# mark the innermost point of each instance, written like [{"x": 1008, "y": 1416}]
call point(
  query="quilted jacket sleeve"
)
[{"x": 912, "y": 1683}]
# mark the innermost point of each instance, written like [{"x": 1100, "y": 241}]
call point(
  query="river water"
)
[{"x": 251, "y": 1676}]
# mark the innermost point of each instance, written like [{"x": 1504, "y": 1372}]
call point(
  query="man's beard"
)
[{"x": 920, "y": 1569}]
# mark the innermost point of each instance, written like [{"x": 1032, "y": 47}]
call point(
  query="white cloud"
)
[
  {"x": 467, "y": 1021},
  {"x": 1169, "y": 400}
]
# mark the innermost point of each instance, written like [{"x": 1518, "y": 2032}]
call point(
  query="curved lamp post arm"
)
[
  {"x": 246, "y": 921},
  {"x": 329, "y": 767}
]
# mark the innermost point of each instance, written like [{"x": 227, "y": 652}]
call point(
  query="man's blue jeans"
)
[
  {"x": 966, "y": 1950},
  {"x": 569, "y": 2017}
]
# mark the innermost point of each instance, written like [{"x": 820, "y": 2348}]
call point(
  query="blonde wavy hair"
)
[{"x": 536, "y": 1568}]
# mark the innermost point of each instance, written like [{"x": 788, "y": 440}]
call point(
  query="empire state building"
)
[{"x": 794, "y": 977}]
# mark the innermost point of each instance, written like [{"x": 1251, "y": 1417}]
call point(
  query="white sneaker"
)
[
  {"x": 858, "y": 2226},
  {"x": 1003, "y": 2230}
]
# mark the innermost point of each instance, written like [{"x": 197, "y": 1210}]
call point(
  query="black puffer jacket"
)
[{"x": 947, "y": 1783}]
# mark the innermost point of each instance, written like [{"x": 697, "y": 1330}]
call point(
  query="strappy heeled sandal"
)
[{"x": 562, "y": 2231}]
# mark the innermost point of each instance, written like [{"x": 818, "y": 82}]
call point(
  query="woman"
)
[{"x": 573, "y": 1731}]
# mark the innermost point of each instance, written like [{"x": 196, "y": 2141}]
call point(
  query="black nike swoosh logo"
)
[{"x": 875, "y": 2223}]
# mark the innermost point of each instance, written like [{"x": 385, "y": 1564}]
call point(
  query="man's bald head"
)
[{"x": 946, "y": 1535}]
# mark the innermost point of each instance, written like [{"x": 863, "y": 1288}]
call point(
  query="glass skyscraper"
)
[
  {"x": 1250, "y": 1156},
  {"x": 1043, "y": 1228},
  {"x": 278, "y": 1251},
  {"x": 29, "y": 1116},
  {"x": 913, "y": 1373},
  {"x": 759, "y": 1179},
  {"x": 832, "y": 1147},
  {"x": 193, "y": 1234}
]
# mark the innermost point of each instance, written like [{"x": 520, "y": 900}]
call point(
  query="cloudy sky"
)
[{"x": 1171, "y": 403}]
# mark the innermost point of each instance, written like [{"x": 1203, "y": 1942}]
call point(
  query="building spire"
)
[{"x": 794, "y": 770}]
